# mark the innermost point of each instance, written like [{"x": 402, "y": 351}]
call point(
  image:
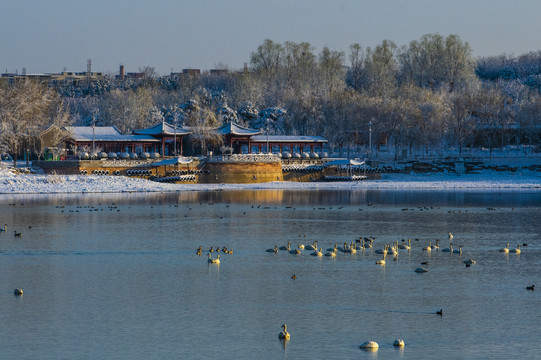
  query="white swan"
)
[
  {"x": 399, "y": 342},
  {"x": 469, "y": 262},
  {"x": 312, "y": 246},
  {"x": 449, "y": 249},
  {"x": 451, "y": 236},
  {"x": 214, "y": 261},
  {"x": 295, "y": 252},
  {"x": 505, "y": 249},
  {"x": 516, "y": 251},
  {"x": 383, "y": 251},
  {"x": 407, "y": 247},
  {"x": 437, "y": 246},
  {"x": 284, "y": 335},
  {"x": 331, "y": 253},
  {"x": 429, "y": 247},
  {"x": 369, "y": 345},
  {"x": 459, "y": 251},
  {"x": 369, "y": 246},
  {"x": 274, "y": 250},
  {"x": 288, "y": 247},
  {"x": 394, "y": 248},
  {"x": 382, "y": 261},
  {"x": 301, "y": 246},
  {"x": 421, "y": 270}
]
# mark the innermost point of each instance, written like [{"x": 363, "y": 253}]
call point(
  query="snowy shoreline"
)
[{"x": 17, "y": 183}]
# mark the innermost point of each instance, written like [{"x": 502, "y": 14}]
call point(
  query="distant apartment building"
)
[{"x": 55, "y": 79}]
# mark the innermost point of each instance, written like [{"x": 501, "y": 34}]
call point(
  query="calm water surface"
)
[{"x": 117, "y": 276}]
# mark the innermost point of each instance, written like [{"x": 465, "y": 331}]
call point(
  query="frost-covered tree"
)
[
  {"x": 529, "y": 119},
  {"x": 492, "y": 114},
  {"x": 381, "y": 69},
  {"x": 274, "y": 118},
  {"x": 247, "y": 113},
  {"x": 25, "y": 109},
  {"x": 355, "y": 76},
  {"x": 267, "y": 59},
  {"x": 434, "y": 61},
  {"x": 331, "y": 71},
  {"x": 202, "y": 123},
  {"x": 225, "y": 114},
  {"x": 127, "y": 110}
]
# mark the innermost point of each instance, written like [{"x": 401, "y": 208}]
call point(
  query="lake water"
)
[{"x": 117, "y": 276}]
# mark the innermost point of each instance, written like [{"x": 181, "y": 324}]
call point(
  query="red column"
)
[{"x": 163, "y": 147}]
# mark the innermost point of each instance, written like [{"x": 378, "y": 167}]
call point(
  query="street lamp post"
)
[
  {"x": 93, "y": 133},
  {"x": 268, "y": 150},
  {"x": 370, "y": 139},
  {"x": 175, "y": 123}
]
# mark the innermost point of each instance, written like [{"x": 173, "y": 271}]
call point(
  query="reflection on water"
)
[{"x": 117, "y": 275}]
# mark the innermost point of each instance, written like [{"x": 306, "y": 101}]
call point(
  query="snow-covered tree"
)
[
  {"x": 247, "y": 113},
  {"x": 273, "y": 118},
  {"x": 25, "y": 110},
  {"x": 225, "y": 114}
]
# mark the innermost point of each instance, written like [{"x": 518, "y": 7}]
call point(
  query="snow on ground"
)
[{"x": 17, "y": 183}]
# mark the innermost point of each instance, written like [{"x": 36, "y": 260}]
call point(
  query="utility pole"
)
[
  {"x": 268, "y": 150},
  {"x": 93, "y": 133},
  {"x": 175, "y": 119},
  {"x": 370, "y": 139}
]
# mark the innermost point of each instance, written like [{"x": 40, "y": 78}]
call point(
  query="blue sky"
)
[{"x": 47, "y": 36}]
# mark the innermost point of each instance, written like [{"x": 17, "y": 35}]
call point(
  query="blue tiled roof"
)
[
  {"x": 234, "y": 129},
  {"x": 104, "y": 133},
  {"x": 163, "y": 128}
]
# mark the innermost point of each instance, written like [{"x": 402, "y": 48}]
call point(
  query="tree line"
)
[{"x": 430, "y": 94}]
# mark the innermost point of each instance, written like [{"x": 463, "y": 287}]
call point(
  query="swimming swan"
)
[
  {"x": 407, "y": 247},
  {"x": 505, "y": 249},
  {"x": 284, "y": 335},
  {"x": 288, "y": 247},
  {"x": 399, "y": 342},
  {"x": 331, "y": 253},
  {"x": 214, "y": 261},
  {"x": 516, "y": 251},
  {"x": 369, "y": 345}
]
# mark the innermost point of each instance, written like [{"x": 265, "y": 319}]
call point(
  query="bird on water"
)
[{"x": 284, "y": 335}]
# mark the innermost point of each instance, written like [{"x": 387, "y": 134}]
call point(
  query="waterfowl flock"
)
[
  {"x": 364, "y": 246},
  {"x": 359, "y": 247}
]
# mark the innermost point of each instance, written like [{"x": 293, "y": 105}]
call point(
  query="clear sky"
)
[{"x": 50, "y": 35}]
